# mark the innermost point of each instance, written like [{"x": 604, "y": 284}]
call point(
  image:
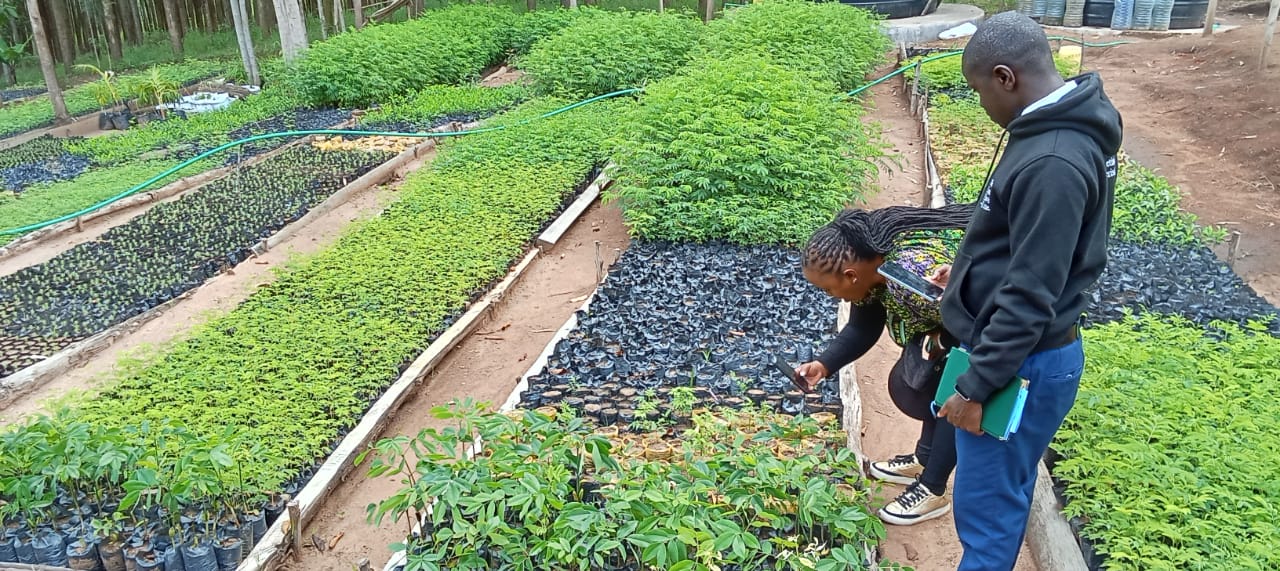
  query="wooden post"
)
[
  {"x": 359, "y": 8},
  {"x": 1269, "y": 34},
  {"x": 1233, "y": 248},
  {"x": 711, "y": 11},
  {"x": 295, "y": 528},
  {"x": 1209, "y": 18}
]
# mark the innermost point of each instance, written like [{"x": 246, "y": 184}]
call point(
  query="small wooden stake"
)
[
  {"x": 1233, "y": 246},
  {"x": 295, "y": 528},
  {"x": 599, "y": 264}
]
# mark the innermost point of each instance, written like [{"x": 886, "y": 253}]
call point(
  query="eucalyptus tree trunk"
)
[
  {"x": 62, "y": 27},
  {"x": 171, "y": 19},
  {"x": 60, "y": 114},
  {"x": 240, "y": 20},
  {"x": 113, "y": 30},
  {"x": 293, "y": 30}
]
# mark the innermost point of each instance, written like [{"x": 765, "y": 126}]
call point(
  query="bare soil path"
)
[
  {"x": 485, "y": 366},
  {"x": 932, "y": 545},
  {"x": 1200, "y": 112}
]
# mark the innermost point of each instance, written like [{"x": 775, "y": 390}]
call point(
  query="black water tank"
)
[
  {"x": 1097, "y": 13},
  {"x": 1186, "y": 13},
  {"x": 892, "y": 9}
]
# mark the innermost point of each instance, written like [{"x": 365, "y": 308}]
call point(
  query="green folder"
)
[{"x": 1002, "y": 411}]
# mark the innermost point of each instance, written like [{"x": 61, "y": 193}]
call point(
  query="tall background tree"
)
[{"x": 46, "y": 62}]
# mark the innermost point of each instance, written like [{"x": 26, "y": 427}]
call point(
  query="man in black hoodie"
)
[{"x": 1017, "y": 289}]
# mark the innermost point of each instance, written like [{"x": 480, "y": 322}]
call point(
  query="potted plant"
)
[
  {"x": 154, "y": 90},
  {"x": 107, "y": 93}
]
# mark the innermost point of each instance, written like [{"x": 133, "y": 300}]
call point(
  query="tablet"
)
[{"x": 912, "y": 281}]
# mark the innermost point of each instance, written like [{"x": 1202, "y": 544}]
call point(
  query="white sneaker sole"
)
[
  {"x": 904, "y": 521},
  {"x": 889, "y": 477}
]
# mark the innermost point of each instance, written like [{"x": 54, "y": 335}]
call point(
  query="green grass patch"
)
[
  {"x": 608, "y": 51},
  {"x": 1170, "y": 453}
]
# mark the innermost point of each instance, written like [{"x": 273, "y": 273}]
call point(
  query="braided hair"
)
[{"x": 857, "y": 234}]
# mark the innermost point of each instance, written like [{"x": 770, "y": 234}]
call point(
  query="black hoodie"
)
[{"x": 1038, "y": 238}]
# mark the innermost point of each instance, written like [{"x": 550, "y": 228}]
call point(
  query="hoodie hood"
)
[{"x": 1085, "y": 109}]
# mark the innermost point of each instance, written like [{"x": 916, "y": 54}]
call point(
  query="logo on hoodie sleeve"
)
[{"x": 985, "y": 203}]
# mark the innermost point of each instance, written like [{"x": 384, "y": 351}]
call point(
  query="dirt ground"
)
[
  {"x": 886, "y": 432},
  {"x": 485, "y": 367},
  {"x": 1200, "y": 112},
  {"x": 219, "y": 294}
]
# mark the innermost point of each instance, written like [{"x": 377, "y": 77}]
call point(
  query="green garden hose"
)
[{"x": 233, "y": 144}]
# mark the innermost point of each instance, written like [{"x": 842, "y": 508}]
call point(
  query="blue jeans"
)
[{"x": 995, "y": 480}]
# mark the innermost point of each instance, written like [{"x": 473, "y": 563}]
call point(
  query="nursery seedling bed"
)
[
  {"x": 80, "y": 304},
  {"x": 15, "y": 95},
  {"x": 44, "y": 159},
  {"x": 706, "y": 317},
  {"x": 702, "y": 467},
  {"x": 270, "y": 553},
  {"x": 31, "y": 378},
  {"x": 484, "y": 366},
  {"x": 45, "y": 243}
]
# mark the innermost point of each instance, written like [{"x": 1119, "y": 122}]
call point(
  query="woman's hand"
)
[
  {"x": 941, "y": 276},
  {"x": 812, "y": 373}
]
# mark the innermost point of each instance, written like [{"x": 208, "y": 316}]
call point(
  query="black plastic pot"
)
[
  {"x": 258, "y": 524},
  {"x": 25, "y": 550},
  {"x": 50, "y": 548},
  {"x": 626, "y": 416},
  {"x": 246, "y": 538},
  {"x": 8, "y": 549},
  {"x": 229, "y": 552},
  {"x": 112, "y": 555},
  {"x": 609, "y": 416},
  {"x": 148, "y": 560},
  {"x": 173, "y": 559},
  {"x": 121, "y": 120},
  {"x": 83, "y": 556},
  {"x": 199, "y": 558}
]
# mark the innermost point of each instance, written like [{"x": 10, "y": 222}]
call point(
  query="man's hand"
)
[
  {"x": 812, "y": 373},
  {"x": 963, "y": 414},
  {"x": 941, "y": 276}
]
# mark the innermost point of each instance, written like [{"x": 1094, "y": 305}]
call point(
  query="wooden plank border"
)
[{"x": 552, "y": 234}]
